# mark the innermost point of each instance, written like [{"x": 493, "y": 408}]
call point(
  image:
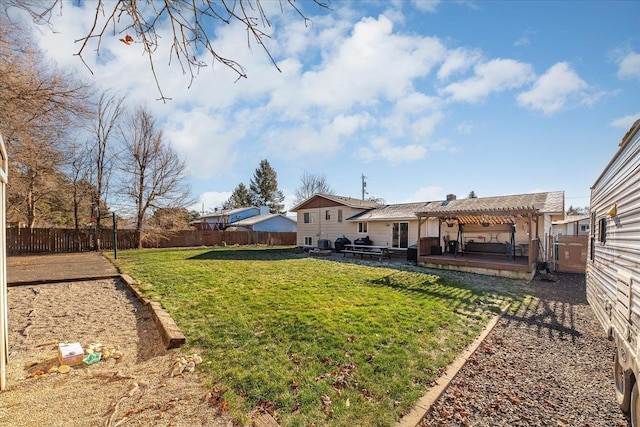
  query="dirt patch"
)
[{"x": 136, "y": 389}]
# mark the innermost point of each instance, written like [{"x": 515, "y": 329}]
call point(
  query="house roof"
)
[
  {"x": 227, "y": 212},
  {"x": 341, "y": 200},
  {"x": 498, "y": 209},
  {"x": 403, "y": 211},
  {"x": 260, "y": 218}
]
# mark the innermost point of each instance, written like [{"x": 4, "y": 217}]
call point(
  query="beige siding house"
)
[
  {"x": 395, "y": 226},
  {"x": 324, "y": 217},
  {"x": 503, "y": 235}
]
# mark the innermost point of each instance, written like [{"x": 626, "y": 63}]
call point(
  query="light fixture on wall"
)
[
  {"x": 613, "y": 211},
  {"x": 449, "y": 222}
]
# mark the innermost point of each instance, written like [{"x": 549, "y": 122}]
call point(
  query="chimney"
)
[{"x": 451, "y": 197}]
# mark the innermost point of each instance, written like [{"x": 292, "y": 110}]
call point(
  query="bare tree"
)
[
  {"x": 153, "y": 175},
  {"x": 38, "y": 106},
  {"x": 191, "y": 23},
  {"x": 311, "y": 184},
  {"x": 82, "y": 191},
  {"x": 110, "y": 111}
]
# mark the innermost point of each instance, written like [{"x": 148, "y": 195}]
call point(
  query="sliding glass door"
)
[{"x": 400, "y": 235}]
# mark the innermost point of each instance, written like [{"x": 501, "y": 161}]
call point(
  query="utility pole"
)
[{"x": 364, "y": 185}]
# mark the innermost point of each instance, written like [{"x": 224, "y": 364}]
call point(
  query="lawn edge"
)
[{"x": 424, "y": 404}]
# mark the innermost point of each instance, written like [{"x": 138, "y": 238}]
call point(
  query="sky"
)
[{"x": 423, "y": 98}]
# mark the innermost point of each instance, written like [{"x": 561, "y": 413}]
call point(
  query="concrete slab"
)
[{"x": 51, "y": 268}]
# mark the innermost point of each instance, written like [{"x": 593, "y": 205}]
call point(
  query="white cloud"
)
[
  {"x": 554, "y": 89},
  {"x": 373, "y": 64},
  {"x": 458, "y": 61},
  {"x": 525, "y": 40},
  {"x": 426, "y": 5},
  {"x": 629, "y": 66},
  {"x": 465, "y": 128},
  {"x": 490, "y": 77},
  {"x": 211, "y": 200},
  {"x": 382, "y": 149},
  {"x": 625, "y": 122},
  {"x": 207, "y": 142},
  {"x": 427, "y": 194}
]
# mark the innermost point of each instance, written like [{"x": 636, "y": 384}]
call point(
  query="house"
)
[
  {"x": 221, "y": 219},
  {"x": 324, "y": 217},
  {"x": 571, "y": 225},
  {"x": 503, "y": 236},
  {"x": 268, "y": 222},
  {"x": 395, "y": 226}
]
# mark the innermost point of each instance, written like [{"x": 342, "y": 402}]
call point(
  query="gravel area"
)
[{"x": 546, "y": 363}]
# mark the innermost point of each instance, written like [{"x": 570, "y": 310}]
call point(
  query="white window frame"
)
[
  {"x": 399, "y": 226},
  {"x": 307, "y": 218},
  {"x": 363, "y": 227},
  {"x": 327, "y": 215},
  {"x": 308, "y": 241}
]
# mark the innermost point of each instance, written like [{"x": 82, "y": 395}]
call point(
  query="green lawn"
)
[{"x": 315, "y": 340}]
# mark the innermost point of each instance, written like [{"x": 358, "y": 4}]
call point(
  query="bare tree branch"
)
[{"x": 191, "y": 23}]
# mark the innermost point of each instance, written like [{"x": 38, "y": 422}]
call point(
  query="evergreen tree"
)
[
  {"x": 240, "y": 198},
  {"x": 472, "y": 195},
  {"x": 264, "y": 188}
]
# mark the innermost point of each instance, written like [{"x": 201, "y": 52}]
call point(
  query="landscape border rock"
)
[{"x": 172, "y": 336}]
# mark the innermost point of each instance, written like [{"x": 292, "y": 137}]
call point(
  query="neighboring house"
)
[
  {"x": 571, "y": 225},
  {"x": 221, "y": 219},
  {"x": 324, "y": 217},
  {"x": 268, "y": 222}
]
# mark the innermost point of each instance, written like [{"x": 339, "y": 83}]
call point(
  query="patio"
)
[{"x": 493, "y": 265}]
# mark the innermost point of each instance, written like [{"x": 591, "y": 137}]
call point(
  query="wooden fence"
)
[
  {"x": 570, "y": 253},
  {"x": 53, "y": 240}
]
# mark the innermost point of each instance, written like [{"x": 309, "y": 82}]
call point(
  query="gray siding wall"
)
[{"x": 613, "y": 265}]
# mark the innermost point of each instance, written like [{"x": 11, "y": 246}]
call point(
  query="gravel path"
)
[{"x": 547, "y": 363}]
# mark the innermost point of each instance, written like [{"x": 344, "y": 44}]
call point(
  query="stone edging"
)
[
  {"x": 413, "y": 418},
  {"x": 172, "y": 336}
]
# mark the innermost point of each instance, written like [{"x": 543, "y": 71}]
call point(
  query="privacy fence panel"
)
[
  {"x": 571, "y": 254},
  {"x": 52, "y": 240}
]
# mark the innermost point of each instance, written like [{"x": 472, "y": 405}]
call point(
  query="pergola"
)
[{"x": 504, "y": 218}]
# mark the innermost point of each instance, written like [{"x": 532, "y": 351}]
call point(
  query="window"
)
[
  {"x": 308, "y": 241},
  {"x": 308, "y": 218},
  {"x": 327, "y": 215},
  {"x": 400, "y": 235},
  {"x": 602, "y": 230},
  {"x": 584, "y": 228},
  {"x": 362, "y": 227},
  {"x": 339, "y": 215}
]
